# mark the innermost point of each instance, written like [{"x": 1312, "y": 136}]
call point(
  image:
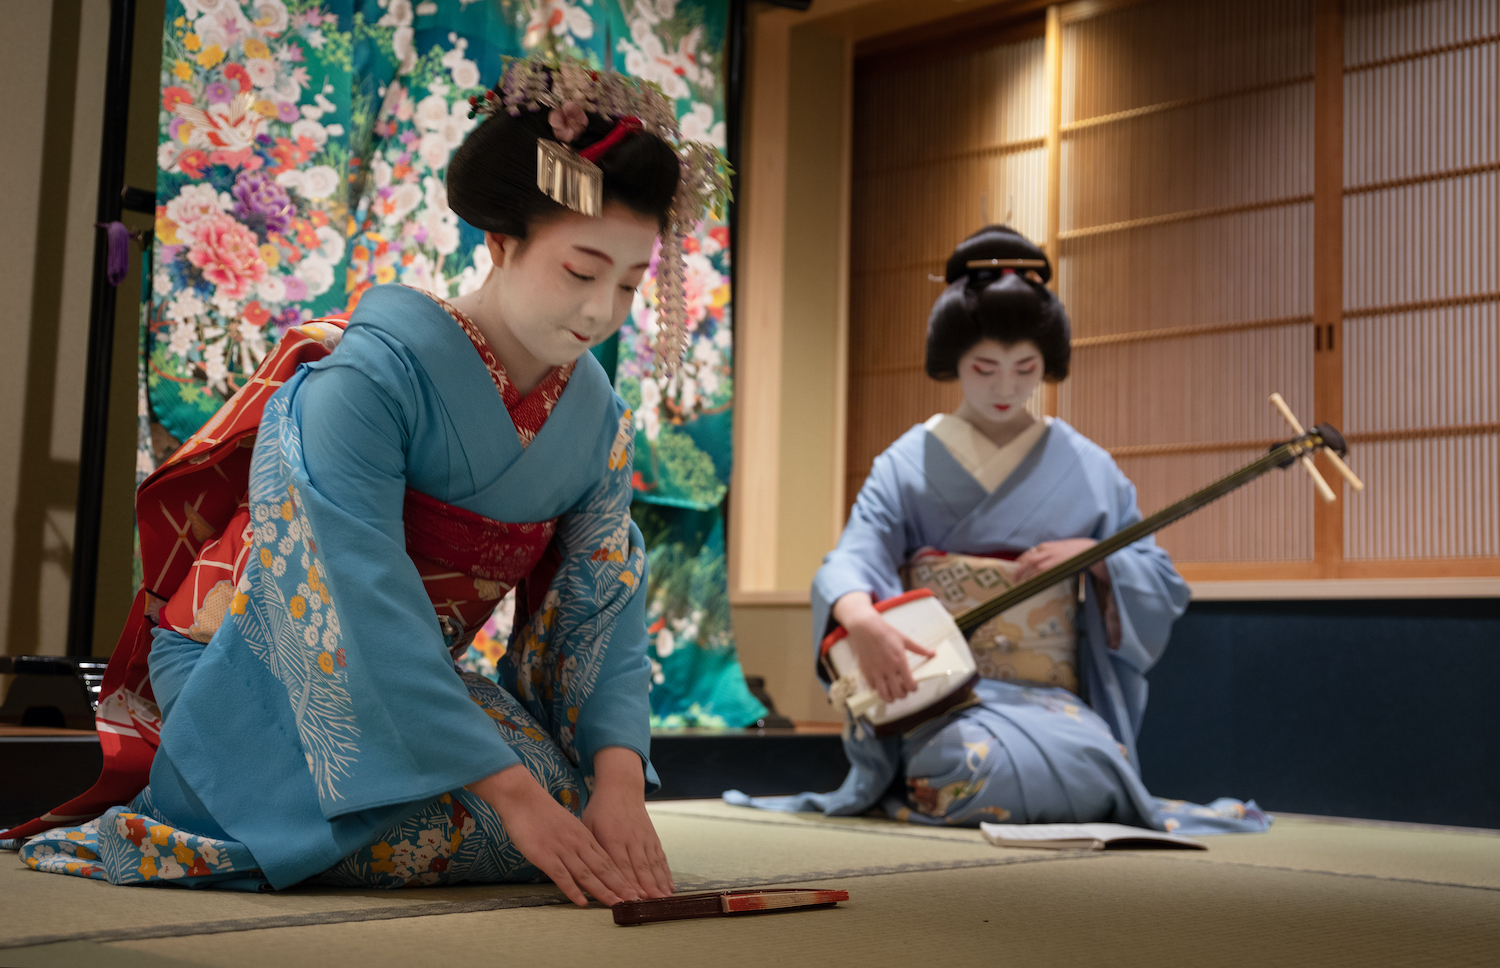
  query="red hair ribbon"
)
[{"x": 622, "y": 127}]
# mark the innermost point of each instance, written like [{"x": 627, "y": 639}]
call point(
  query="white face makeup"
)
[
  {"x": 997, "y": 381},
  {"x": 571, "y": 285}
]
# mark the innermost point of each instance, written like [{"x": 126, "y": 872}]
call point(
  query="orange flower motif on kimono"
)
[
  {"x": 619, "y": 454},
  {"x": 382, "y": 862}
]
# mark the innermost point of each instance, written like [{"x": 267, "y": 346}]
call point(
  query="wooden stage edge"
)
[
  {"x": 46, "y": 766},
  {"x": 7, "y": 730}
]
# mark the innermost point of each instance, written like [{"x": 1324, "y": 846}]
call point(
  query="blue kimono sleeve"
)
[
  {"x": 605, "y": 570},
  {"x": 412, "y": 731},
  {"x": 172, "y": 660},
  {"x": 1149, "y": 594},
  {"x": 589, "y": 633},
  {"x": 870, "y": 552}
]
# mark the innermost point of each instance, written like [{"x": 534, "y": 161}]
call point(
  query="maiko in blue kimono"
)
[
  {"x": 304, "y": 759},
  {"x": 993, "y": 482},
  {"x": 312, "y": 724}
]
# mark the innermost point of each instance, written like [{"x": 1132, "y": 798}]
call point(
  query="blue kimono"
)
[
  {"x": 1023, "y": 753},
  {"x": 324, "y": 730}
]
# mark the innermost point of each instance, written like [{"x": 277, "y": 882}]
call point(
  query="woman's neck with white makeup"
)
[
  {"x": 999, "y": 432},
  {"x": 483, "y": 306}
]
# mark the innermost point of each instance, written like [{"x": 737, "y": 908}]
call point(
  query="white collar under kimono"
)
[{"x": 989, "y": 465}]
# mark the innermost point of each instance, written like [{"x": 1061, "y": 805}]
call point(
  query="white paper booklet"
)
[{"x": 1082, "y": 836}]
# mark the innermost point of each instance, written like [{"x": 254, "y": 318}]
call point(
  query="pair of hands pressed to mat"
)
[
  {"x": 613, "y": 853},
  {"x": 881, "y": 650}
]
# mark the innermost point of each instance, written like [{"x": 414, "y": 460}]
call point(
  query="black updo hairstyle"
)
[
  {"x": 1005, "y": 306},
  {"x": 492, "y": 177}
]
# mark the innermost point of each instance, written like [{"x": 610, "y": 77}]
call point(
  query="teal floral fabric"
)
[
  {"x": 301, "y": 158},
  {"x": 454, "y": 838},
  {"x": 128, "y": 846}
]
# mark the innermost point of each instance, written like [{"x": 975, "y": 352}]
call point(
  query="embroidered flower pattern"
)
[{"x": 125, "y": 846}]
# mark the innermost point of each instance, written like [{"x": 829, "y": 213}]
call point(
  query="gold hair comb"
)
[
  {"x": 568, "y": 178},
  {"x": 1007, "y": 264}
]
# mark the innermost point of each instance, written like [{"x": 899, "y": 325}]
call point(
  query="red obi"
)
[{"x": 468, "y": 561}]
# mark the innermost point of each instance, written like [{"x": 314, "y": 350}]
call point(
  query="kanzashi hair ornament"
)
[{"x": 571, "y": 178}]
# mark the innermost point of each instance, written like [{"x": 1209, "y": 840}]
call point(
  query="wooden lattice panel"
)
[
  {"x": 1198, "y": 149},
  {"x": 936, "y": 145},
  {"x": 1421, "y": 352},
  {"x": 1186, "y": 256}
]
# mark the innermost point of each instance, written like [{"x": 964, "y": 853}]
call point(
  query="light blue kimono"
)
[
  {"x": 1023, "y": 754},
  {"x": 325, "y": 718}
]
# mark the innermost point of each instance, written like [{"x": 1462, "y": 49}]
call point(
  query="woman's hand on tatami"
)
[
  {"x": 616, "y": 816},
  {"x": 556, "y": 842}
]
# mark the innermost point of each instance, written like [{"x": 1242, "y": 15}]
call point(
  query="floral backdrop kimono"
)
[
  {"x": 1024, "y": 753},
  {"x": 303, "y": 147}
]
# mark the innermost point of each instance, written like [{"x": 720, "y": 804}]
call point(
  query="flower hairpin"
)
[{"x": 568, "y": 121}]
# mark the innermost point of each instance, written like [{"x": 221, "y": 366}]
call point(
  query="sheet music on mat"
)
[{"x": 1082, "y": 836}]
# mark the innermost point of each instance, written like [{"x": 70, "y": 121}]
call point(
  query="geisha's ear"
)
[{"x": 500, "y": 245}]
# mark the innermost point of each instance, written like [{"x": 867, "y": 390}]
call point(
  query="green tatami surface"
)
[{"x": 1310, "y": 892}]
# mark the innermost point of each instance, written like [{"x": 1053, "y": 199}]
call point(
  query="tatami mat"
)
[
  {"x": 1398, "y": 851},
  {"x": 1124, "y": 911},
  {"x": 1308, "y": 893}
]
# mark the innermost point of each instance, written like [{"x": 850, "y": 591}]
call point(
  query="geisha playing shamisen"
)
[
  {"x": 320, "y": 550},
  {"x": 967, "y": 504}
]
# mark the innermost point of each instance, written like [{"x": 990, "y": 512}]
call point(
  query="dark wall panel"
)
[{"x": 1386, "y": 710}]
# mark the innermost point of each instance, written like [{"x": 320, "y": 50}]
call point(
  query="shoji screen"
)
[
  {"x": 1198, "y": 144},
  {"x": 1186, "y": 257},
  {"x": 935, "y": 142},
  {"x": 1422, "y": 284}
]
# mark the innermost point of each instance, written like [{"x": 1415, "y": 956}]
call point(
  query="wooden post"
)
[
  {"x": 1054, "y": 70},
  {"x": 1328, "y": 261}
]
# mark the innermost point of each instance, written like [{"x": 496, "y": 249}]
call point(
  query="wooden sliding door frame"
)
[{"x": 1328, "y": 269}]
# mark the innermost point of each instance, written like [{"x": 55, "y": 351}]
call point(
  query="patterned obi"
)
[
  {"x": 1035, "y": 641},
  {"x": 468, "y": 561}
]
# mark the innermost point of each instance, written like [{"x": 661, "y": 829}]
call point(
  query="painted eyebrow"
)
[
  {"x": 601, "y": 255},
  {"x": 994, "y": 362}
]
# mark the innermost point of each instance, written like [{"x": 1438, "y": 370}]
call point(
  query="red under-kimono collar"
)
[{"x": 530, "y": 412}]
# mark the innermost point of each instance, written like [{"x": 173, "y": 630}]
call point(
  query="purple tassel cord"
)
[{"x": 117, "y": 265}]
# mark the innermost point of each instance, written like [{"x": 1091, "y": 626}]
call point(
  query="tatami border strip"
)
[
  {"x": 1159, "y": 855},
  {"x": 771, "y": 819},
  {"x": 436, "y": 908},
  {"x": 419, "y": 909},
  {"x": 922, "y": 867}
]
